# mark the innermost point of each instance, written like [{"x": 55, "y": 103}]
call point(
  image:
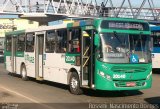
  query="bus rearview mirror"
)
[{"x": 96, "y": 40}]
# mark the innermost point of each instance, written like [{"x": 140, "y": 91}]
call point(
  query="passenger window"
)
[
  {"x": 50, "y": 41},
  {"x": 20, "y": 43},
  {"x": 8, "y": 43},
  {"x": 30, "y": 42},
  {"x": 74, "y": 41},
  {"x": 61, "y": 41}
]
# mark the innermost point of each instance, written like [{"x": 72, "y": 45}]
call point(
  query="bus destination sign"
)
[{"x": 125, "y": 25}]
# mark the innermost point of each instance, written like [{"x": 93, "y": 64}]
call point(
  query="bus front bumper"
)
[{"x": 104, "y": 84}]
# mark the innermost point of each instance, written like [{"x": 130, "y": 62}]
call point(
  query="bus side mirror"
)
[{"x": 96, "y": 40}]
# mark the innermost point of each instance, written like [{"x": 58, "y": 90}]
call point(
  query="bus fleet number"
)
[
  {"x": 119, "y": 76},
  {"x": 70, "y": 58}
]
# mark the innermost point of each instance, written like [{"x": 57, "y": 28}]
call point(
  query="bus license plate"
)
[{"x": 130, "y": 84}]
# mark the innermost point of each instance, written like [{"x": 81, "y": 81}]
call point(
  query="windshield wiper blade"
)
[{"x": 116, "y": 36}]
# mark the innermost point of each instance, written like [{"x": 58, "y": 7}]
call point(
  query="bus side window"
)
[
  {"x": 74, "y": 41},
  {"x": 30, "y": 42},
  {"x": 8, "y": 43},
  {"x": 61, "y": 43},
  {"x": 20, "y": 43},
  {"x": 50, "y": 42}
]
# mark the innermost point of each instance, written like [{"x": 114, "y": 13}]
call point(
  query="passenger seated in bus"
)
[
  {"x": 64, "y": 49},
  {"x": 74, "y": 46}
]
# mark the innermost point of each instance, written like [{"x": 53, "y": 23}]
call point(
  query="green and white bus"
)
[{"x": 102, "y": 54}]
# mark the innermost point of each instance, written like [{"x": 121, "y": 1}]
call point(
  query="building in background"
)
[{"x": 11, "y": 24}]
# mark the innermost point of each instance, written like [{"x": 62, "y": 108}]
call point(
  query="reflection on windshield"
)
[{"x": 125, "y": 48}]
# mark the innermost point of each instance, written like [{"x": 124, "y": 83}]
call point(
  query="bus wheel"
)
[
  {"x": 74, "y": 84},
  {"x": 24, "y": 73},
  {"x": 9, "y": 73}
]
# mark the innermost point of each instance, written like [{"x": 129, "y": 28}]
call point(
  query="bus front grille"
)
[{"x": 128, "y": 69}]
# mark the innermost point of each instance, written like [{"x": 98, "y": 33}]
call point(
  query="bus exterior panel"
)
[
  {"x": 155, "y": 60},
  {"x": 57, "y": 70},
  {"x": 14, "y": 56},
  {"x": 30, "y": 64},
  {"x": 19, "y": 61},
  {"x": 119, "y": 72},
  {"x": 122, "y": 77},
  {"x": 156, "y": 47},
  {"x": 7, "y": 57}
]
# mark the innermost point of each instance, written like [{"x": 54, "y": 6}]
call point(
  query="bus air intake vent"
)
[{"x": 128, "y": 69}]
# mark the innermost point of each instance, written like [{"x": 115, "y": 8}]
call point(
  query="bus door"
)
[
  {"x": 86, "y": 57},
  {"x": 39, "y": 54},
  {"x": 13, "y": 54}
]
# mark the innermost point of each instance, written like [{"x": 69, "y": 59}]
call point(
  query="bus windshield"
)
[{"x": 121, "y": 48}]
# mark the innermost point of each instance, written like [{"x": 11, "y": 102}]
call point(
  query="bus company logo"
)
[
  {"x": 29, "y": 58},
  {"x": 70, "y": 59}
]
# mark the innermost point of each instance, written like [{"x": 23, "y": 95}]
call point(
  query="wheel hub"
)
[{"x": 74, "y": 83}]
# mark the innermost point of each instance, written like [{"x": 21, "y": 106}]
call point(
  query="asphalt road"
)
[{"x": 49, "y": 95}]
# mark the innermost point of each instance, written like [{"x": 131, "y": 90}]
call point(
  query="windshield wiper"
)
[{"x": 116, "y": 36}]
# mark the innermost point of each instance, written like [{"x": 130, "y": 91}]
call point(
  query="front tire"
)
[
  {"x": 74, "y": 84},
  {"x": 9, "y": 73},
  {"x": 24, "y": 73}
]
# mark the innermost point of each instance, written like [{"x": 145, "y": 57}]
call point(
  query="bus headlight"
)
[
  {"x": 108, "y": 77},
  {"x": 148, "y": 76},
  {"x": 101, "y": 73}
]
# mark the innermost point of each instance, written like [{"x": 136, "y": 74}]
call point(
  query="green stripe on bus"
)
[
  {"x": 15, "y": 32},
  {"x": 18, "y": 54}
]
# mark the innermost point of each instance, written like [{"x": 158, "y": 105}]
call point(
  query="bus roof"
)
[
  {"x": 123, "y": 19},
  {"x": 15, "y": 32},
  {"x": 91, "y": 22},
  {"x": 155, "y": 28},
  {"x": 41, "y": 28}
]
